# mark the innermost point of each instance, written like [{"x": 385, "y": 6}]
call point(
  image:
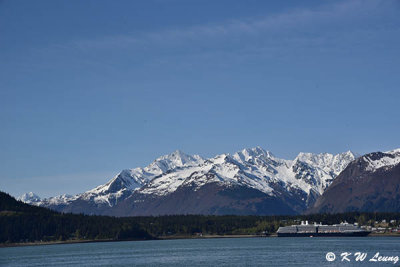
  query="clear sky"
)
[{"x": 88, "y": 88}]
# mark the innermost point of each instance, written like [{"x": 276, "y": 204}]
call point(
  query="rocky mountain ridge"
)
[{"x": 295, "y": 184}]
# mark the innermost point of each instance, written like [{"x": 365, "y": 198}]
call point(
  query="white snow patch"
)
[{"x": 389, "y": 160}]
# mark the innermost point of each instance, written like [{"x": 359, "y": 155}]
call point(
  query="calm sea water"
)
[{"x": 206, "y": 252}]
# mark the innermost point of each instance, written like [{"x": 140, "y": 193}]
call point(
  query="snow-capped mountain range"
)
[{"x": 303, "y": 179}]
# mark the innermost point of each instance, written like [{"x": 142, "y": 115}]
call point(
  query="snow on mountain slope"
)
[
  {"x": 127, "y": 181},
  {"x": 258, "y": 169},
  {"x": 254, "y": 168},
  {"x": 64, "y": 199},
  {"x": 368, "y": 184},
  {"x": 29, "y": 198},
  {"x": 319, "y": 170},
  {"x": 379, "y": 160}
]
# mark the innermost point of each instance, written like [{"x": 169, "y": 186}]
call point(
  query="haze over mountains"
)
[{"x": 251, "y": 181}]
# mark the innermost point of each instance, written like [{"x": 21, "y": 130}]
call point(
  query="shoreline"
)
[
  {"x": 46, "y": 243},
  {"x": 388, "y": 235},
  {"x": 210, "y": 236}
]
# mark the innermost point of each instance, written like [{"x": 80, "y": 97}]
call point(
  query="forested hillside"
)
[
  {"x": 21, "y": 222},
  {"x": 25, "y": 223}
]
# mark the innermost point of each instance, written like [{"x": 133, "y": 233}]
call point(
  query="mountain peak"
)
[
  {"x": 254, "y": 152},
  {"x": 328, "y": 162},
  {"x": 313, "y": 157},
  {"x": 182, "y": 157},
  {"x": 323, "y": 157},
  {"x": 377, "y": 160},
  {"x": 350, "y": 153},
  {"x": 394, "y": 151},
  {"x": 176, "y": 159},
  {"x": 179, "y": 153},
  {"x": 29, "y": 198}
]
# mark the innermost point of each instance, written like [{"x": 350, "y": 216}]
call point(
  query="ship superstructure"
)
[{"x": 306, "y": 229}]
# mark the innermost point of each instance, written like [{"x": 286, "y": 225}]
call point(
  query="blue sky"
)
[{"x": 88, "y": 88}]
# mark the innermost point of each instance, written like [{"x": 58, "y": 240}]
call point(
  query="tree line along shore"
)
[{"x": 25, "y": 224}]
